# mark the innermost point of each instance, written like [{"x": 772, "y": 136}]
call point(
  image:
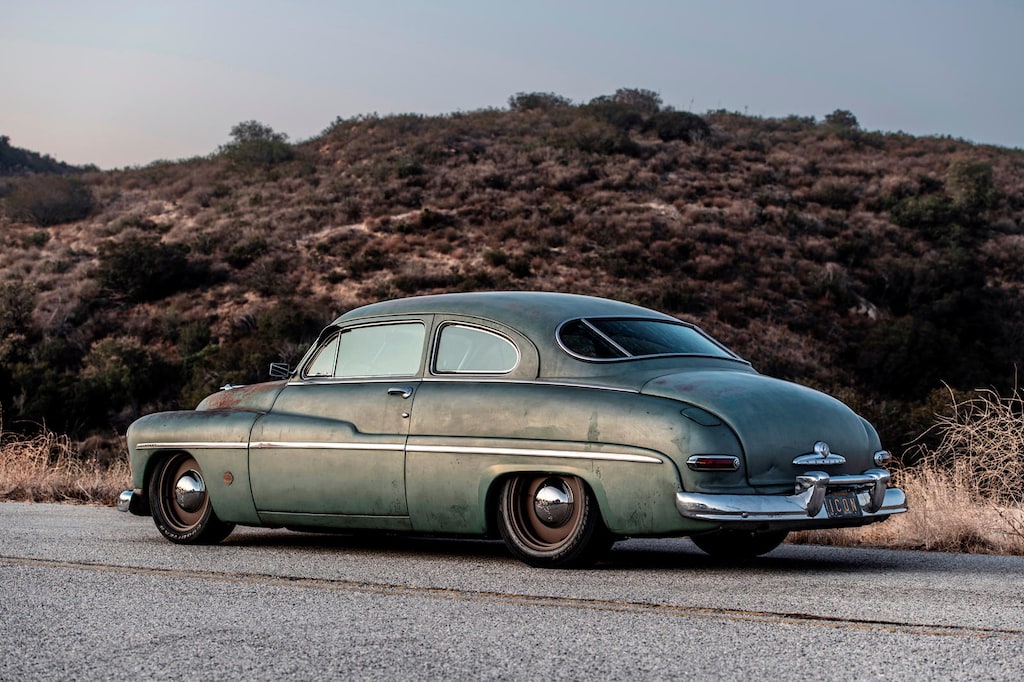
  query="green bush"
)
[
  {"x": 836, "y": 195},
  {"x": 926, "y": 213},
  {"x": 678, "y": 125},
  {"x": 145, "y": 269},
  {"x": 619, "y": 115},
  {"x": 971, "y": 186},
  {"x": 255, "y": 144},
  {"x": 243, "y": 253},
  {"x": 841, "y": 119},
  {"x": 537, "y": 101},
  {"x": 646, "y": 102},
  {"x": 46, "y": 200},
  {"x": 126, "y": 373}
]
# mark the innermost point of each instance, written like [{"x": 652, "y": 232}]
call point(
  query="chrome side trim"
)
[
  {"x": 460, "y": 378},
  {"x": 193, "y": 445},
  {"x": 398, "y": 447},
  {"x": 311, "y": 445},
  {"x": 535, "y": 452}
]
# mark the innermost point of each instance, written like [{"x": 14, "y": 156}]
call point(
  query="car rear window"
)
[{"x": 618, "y": 339}]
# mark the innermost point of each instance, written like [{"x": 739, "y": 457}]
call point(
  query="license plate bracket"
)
[{"x": 842, "y": 504}]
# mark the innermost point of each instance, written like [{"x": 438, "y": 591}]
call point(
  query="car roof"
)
[
  {"x": 537, "y": 315},
  {"x": 531, "y": 312}
]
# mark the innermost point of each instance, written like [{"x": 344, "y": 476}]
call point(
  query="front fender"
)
[{"x": 219, "y": 441}]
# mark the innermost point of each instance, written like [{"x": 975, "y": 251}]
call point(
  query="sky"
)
[{"x": 121, "y": 83}]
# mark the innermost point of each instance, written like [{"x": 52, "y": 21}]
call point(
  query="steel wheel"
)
[
  {"x": 181, "y": 503},
  {"x": 551, "y": 520},
  {"x": 737, "y": 545}
]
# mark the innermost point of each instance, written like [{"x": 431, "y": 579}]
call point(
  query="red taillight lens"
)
[{"x": 713, "y": 463}]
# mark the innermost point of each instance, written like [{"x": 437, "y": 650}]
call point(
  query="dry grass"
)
[
  {"x": 49, "y": 468},
  {"x": 966, "y": 495}
]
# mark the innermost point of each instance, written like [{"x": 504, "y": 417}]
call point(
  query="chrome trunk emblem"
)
[{"x": 822, "y": 456}]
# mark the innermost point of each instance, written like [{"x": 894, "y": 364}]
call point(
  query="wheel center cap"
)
[
  {"x": 553, "y": 504},
  {"x": 190, "y": 491}
]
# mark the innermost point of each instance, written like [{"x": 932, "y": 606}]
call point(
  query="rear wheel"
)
[
  {"x": 739, "y": 544},
  {"x": 181, "y": 503},
  {"x": 551, "y": 521}
]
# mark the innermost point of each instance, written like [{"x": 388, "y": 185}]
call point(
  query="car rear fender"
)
[{"x": 456, "y": 492}]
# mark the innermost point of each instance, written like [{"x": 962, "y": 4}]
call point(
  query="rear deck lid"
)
[{"x": 776, "y": 421}]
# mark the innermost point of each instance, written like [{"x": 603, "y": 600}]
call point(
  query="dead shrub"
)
[
  {"x": 48, "y": 468},
  {"x": 967, "y": 493}
]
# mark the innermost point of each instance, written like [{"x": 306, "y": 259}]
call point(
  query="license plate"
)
[{"x": 842, "y": 504}]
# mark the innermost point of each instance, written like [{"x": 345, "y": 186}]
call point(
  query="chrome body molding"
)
[
  {"x": 535, "y": 452},
  {"x": 805, "y": 505},
  {"x": 193, "y": 445},
  {"x": 463, "y": 378},
  {"x": 398, "y": 447},
  {"x": 309, "y": 445}
]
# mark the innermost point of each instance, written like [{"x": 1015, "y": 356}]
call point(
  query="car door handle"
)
[{"x": 404, "y": 391}]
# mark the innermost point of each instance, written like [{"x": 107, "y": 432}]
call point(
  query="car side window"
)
[
  {"x": 462, "y": 349},
  {"x": 380, "y": 350}
]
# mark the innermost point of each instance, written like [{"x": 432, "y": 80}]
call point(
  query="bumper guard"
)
[
  {"x": 134, "y": 502},
  {"x": 803, "y": 508}
]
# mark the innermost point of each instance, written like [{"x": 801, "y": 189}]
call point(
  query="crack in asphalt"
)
[{"x": 457, "y": 594}]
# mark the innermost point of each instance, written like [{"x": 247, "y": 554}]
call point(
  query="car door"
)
[{"x": 334, "y": 442}]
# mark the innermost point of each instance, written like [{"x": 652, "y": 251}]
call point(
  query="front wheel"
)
[
  {"x": 551, "y": 521},
  {"x": 181, "y": 504},
  {"x": 735, "y": 545}
]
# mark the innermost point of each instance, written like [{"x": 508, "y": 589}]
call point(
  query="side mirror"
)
[{"x": 280, "y": 370}]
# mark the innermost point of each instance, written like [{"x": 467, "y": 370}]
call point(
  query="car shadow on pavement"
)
[{"x": 634, "y": 554}]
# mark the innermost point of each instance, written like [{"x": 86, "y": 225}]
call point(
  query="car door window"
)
[
  {"x": 462, "y": 349},
  {"x": 322, "y": 365},
  {"x": 381, "y": 350}
]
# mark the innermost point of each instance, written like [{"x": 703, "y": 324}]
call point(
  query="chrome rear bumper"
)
[
  {"x": 805, "y": 508},
  {"x": 133, "y": 501}
]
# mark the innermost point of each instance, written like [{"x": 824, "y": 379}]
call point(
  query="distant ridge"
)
[{"x": 18, "y": 161}]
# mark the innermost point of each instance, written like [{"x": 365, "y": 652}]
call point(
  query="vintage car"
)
[{"x": 560, "y": 423}]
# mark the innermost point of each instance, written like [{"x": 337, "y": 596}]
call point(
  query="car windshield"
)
[{"x": 617, "y": 339}]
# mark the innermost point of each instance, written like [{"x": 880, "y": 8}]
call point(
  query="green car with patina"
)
[{"x": 557, "y": 422}]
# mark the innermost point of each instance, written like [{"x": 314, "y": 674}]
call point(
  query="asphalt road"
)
[{"x": 90, "y": 593}]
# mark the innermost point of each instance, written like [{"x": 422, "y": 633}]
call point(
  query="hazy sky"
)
[{"x": 120, "y": 83}]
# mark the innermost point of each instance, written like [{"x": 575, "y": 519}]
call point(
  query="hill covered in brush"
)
[{"x": 875, "y": 266}]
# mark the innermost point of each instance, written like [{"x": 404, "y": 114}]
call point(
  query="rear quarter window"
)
[{"x": 463, "y": 349}]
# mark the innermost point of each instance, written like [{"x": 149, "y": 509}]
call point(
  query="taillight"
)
[
  {"x": 713, "y": 463},
  {"x": 882, "y": 457}
]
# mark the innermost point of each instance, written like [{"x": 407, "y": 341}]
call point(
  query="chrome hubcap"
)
[
  {"x": 553, "y": 503},
  {"x": 190, "y": 491}
]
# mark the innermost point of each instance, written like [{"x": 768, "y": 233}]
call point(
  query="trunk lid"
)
[{"x": 775, "y": 421}]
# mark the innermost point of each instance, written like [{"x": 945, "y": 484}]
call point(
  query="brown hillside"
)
[{"x": 874, "y": 266}]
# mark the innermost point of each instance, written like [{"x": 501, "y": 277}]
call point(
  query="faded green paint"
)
[
  {"x": 194, "y": 432},
  {"x": 427, "y": 452}
]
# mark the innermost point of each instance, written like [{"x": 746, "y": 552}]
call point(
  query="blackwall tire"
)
[
  {"x": 181, "y": 505},
  {"x": 551, "y": 521}
]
